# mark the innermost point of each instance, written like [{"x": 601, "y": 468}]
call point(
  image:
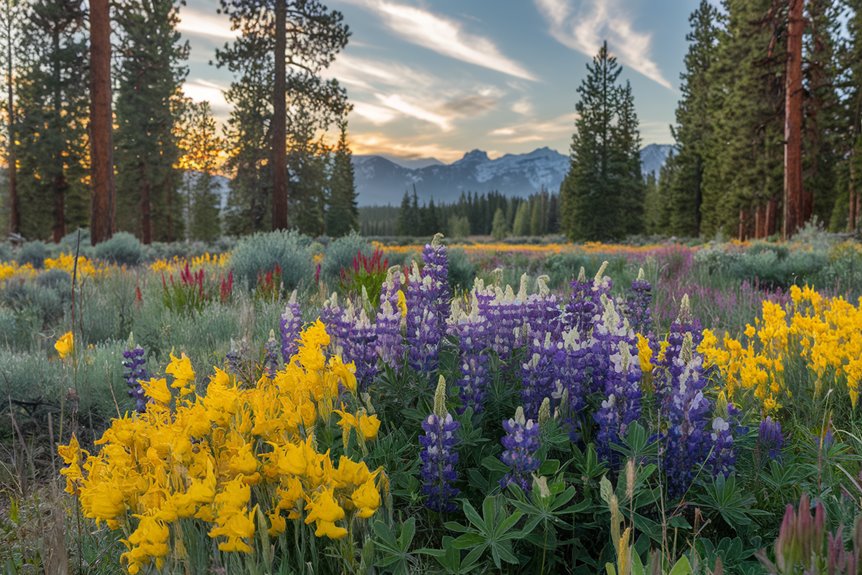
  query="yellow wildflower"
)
[
  {"x": 65, "y": 345},
  {"x": 157, "y": 390},
  {"x": 369, "y": 425},
  {"x": 366, "y": 498}
]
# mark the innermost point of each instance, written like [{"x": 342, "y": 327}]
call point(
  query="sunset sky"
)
[{"x": 436, "y": 78}]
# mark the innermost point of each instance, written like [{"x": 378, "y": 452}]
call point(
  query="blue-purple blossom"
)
[
  {"x": 770, "y": 439},
  {"x": 688, "y": 440},
  {"x": 425, "y": 323},
  {"x": 135, "y": 369},
  {"x": 471, "y": 330},
  {"x": 290, "y": 327},
  {"x": 353, "y": 337},
  {"x": 725, "y": 425},
  {"x": 639, "y": 302},
  {"x": 389, "y": 321},
  {"x": 439, "y": 456},
  {"x": 541, "y": 372},
  {"x": 585, "y": 307},
  {"x": 520, "y": 444}
]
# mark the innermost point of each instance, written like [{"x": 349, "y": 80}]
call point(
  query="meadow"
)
[{"x": 280, "y": 404}]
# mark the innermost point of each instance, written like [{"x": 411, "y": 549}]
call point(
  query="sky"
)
[{"x": 437, "y": 78}]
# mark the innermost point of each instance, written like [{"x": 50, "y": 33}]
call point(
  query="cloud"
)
[
  {"x": 524, "y": 107},
  {"x": 377, "y": 115},
  {"x": 414, "y": 110},
  {"x": 196, "y": 23},
  {"x": 367, "y": 74},
  {"x": 596, "y": 20},
  {"x": 536, "y": 131},
  {"x": 378, "y": 143},
  {"x": 444, "y": 36},
  {"x": 202, "y": 90}
]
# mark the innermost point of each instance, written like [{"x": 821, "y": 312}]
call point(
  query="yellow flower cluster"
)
[
  {"x": 66, "y": 262},
  {"x": 204, "y": 260},
  {"x": 11, "y": 269},
  {"x": 825, "y": 332},
  {"x": 226, "y": 456}
]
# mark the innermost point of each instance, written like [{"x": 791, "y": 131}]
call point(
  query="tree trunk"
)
[
  {"x": 11, "y": 155},
  {"x": 279, "y": 122},
  {"x": 771, "y": 210},
  {"x": 146, "y": 208},
  {"x": 742, "y": 225},
  {"x": 58, "y": 181},
  {"x": 793, "y": 121},
  {"x": 101, "y": 124}
]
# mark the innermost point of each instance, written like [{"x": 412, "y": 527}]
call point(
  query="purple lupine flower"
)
[
  {"x": 639, "y": 302},
  {"x": 436, "y": 260},
  {"x": 688, "y": 441},
  {"x": 389, "y": 320},
  {"x": 669, "y": 369},
  {"x": 290, "y": 328},
  {"x": 505, "y": 318},
  {"x": 359, "y": 344},
  {"x": 333, "y": 317},
  {"x": 471, "y": 331},
  {"x": 542, "y": 312},
  {"x": 615, "y": 370},
  {"x": 425, "y": 325},
  {"x": 585, "y": 307},
  {"x": 521, "y": 443},
  {"x": 439, "y": 456},
  {"x": 540, "y": 373},
  {"x": 135, "y": 365},
  {"x": 770, "y": 439},
  {"x": 270, "y": 355},
  {"x": 725, "y": 425}
]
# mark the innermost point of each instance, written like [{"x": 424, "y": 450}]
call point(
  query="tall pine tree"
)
[
  {"x": 602, "y": 195},
  {"x": 52, "y": 119},
  {"x": 148, "y": 107},
  {"x": 342, "y": 214},
  {"x": 200, "y": 147}
]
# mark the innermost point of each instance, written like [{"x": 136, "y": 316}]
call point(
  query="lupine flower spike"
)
[{"x": 438, "y": 455}]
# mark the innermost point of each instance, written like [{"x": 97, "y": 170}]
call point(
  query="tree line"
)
[
  {"x": 97, "y": 132},
  {"x": 487, "y": 214},
  {"x": 769, "y": 126}
]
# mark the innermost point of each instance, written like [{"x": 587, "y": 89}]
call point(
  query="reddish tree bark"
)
[
  {"x": 279, "y": 122},
  {"x": 101, "y": 124},
  {"x": 793, "y": 196},
  {"x": 11, "y": 156}
]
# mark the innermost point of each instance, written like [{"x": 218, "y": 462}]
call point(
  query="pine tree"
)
[
  {"x": 342, "y": 215},
  {"x": 52, "y": 119},
  {"x": 521, "y": 224},
  {"x": 499, "y": 228},
  {"x": 602, "y": 194},
  {"x": 200, "y": 147},
  {"x": 283, "y": 48},
  {"x": 849, "y": 140},
  {"x": 10, "y": 39},
  {"x": 743, "y": 175},
  {"x": 103, "y": 206},
  {"x": 693, "y": 131},
  {"x": 148, "y": 108}
]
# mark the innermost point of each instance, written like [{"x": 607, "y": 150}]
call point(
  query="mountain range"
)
[{"x": 381, "y": 180}]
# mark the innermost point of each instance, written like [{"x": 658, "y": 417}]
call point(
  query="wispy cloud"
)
[
  {"x": 204, "y": 91},
  {"x": 197, "y": 23},
  {"x": 367, "y": 73},
  {"x": 535, "y": 131},
  {"x": 583, "y": 30},
  {"x": 377, "y": 115},
  {"x": 379, "y": 143},
  {"x": 444, "y": 36},
  {"x": 415, "y": 110}
]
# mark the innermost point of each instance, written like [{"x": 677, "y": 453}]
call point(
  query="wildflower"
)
[
  {"x": 438, "y": 455},
  {"x": 65, "y": 345},
  {"x": 390, "y": 316},
  {"x": 134, "y": 363},
  {"x": 472, "y": 331},
  {"x": 157, "y": 390},
  {"x": 72, "y": 457},
  {"x": 539, "y": 373},
  {"x": 290, "y": 326},
  {"x": 521, "y": 443},
  {"x": 368, "y": 425},
  {"x": 270, "y": 356},
  {"x": 584, "y": 306},
  {"x": 770, "y": 439},
  {"x": 324, "y": 510},
  {"x": 184, "y": 375},
  {"x": 148, "y": 542},
  {"x": 366, "y": 498}
]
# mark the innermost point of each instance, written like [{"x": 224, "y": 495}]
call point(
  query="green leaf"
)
[
  {"x": 682, "y": 567},
  {"x": 605, "y": 489}
]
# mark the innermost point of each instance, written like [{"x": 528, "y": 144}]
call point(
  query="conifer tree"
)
[
  {"x": 521, "y": 224},
  {"x": 499, "y": 227},
  {"x": 10, "y": 40},
  {"x": 693, "y": 130},
  {"x": 342, "y": 215},
  {"x": 103, "y": 205},
  {"x": 148, "y": 107},
  {"x": 602, "y": 194},
  {"x": 52, "y": 119},
  {"x": 200, "y": 146},
  {"x": 282, "y": 49}
]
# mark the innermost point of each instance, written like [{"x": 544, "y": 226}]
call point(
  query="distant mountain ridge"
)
[{"x": 383, "y": 181}]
